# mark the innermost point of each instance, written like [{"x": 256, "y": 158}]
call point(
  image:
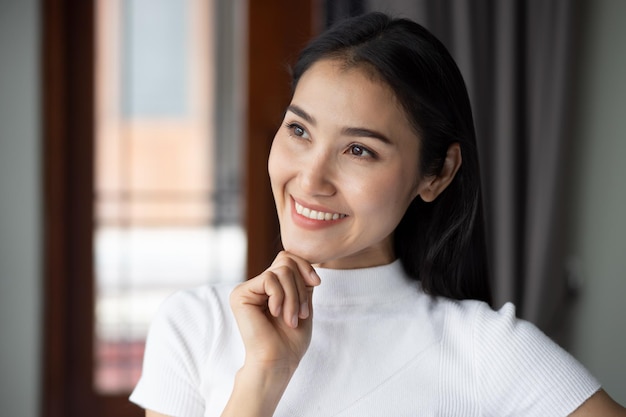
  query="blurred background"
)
[{"x": 133, "y": 145}]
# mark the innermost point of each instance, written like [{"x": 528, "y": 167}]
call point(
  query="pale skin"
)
[{"x": 345, "y": 149}]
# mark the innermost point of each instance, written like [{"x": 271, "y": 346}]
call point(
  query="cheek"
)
[
  {"x": 275, "y": 163},
  {"x": 271, "y": 163},
  {"x": 398, "y": 185},
  {"x": 281, "y": 166},
  {"x": 390, "y": 196}
]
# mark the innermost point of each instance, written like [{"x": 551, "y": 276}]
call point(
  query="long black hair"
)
[{"x": 441, "y": 243}]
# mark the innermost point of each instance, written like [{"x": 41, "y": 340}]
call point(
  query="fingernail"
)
[
  {"x": 304, "y": 310},
  {"x": 315, "y": 277},
  {"x": 294, "y": 321}
]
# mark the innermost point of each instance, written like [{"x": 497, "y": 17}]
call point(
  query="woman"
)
[{"x": 379, "y": 303}]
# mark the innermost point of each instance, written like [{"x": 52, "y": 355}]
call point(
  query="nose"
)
[{"x": 316, "y": 176}]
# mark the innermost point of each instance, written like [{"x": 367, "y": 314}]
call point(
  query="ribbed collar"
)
[{"x": 376, "y": 285}]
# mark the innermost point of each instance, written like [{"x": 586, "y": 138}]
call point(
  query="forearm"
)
[{"x": 256, "y": 392}]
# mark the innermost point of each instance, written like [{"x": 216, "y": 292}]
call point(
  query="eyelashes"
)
[
  {"x": 296, "y": 130},
  {"x": 360, "y": 151},
  {"x": 355, "y": 150}
]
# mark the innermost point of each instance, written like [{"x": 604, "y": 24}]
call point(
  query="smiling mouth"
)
[{"x": 317, "y": 215}]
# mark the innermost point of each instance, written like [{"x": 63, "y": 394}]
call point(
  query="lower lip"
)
[{"x": 312, "y": 224}]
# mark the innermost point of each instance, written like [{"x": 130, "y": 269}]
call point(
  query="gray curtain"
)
[{"x": 515, "y": 57}]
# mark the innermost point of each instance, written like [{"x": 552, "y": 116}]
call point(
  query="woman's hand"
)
[{"x": 274, "y": 313}]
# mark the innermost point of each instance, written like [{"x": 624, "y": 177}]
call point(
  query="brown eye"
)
[
  {"x": 361, "y": 151},
  {"x": 357, "y": 150},
  {"x": 298, "y": 131}
]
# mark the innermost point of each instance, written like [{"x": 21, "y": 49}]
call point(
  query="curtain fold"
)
[
  {"x": 516, "y": 57},
  {"x": 550, "y": 52}
]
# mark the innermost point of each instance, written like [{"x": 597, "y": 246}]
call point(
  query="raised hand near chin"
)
[{"x": 274, "y": 314}]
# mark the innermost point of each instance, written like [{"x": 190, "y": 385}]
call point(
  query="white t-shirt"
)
[{"x": 380, "y": 347}]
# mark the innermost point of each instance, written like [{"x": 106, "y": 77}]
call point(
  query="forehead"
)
[{"x": 349, "y": 93}]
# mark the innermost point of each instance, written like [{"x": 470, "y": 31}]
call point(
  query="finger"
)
[
  {"x": 301, "y": 286},
  {"x": 290, "y": 281},
  {"x": 275, "y": 293},
  {"x": 263, "y": 291},
  {"x": 305, "y": 268},
  {"x": 306, "y": 309},
  {"x": 301, "y": 269}
]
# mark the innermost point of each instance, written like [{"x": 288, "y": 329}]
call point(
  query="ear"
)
[{"x": 432, "y": 186}]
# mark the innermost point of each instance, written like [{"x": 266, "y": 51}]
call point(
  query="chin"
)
[{"x": 311, "y": 255}]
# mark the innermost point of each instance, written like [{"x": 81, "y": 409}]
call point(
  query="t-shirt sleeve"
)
[
  {"x": 522, "y": 372},
  {"x": 177, "y": 343}
]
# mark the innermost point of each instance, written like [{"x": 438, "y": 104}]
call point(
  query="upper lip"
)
[{"x": 316, "y": 207}]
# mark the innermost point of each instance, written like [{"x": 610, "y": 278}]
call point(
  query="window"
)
[
  {"x": 99, "y": 225},
  {"x": 167, "y": 202}
]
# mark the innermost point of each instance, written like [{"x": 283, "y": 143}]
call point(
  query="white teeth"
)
[{"x": 317, "y": 215}]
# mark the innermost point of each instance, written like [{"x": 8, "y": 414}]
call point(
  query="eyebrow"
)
[
  {"x": 360, "y": 132},
  {"x": 348, "y": 131},
  {"x": 299, "y": 112}
]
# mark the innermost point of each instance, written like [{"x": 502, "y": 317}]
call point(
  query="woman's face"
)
[{"x": 343, "y": 168}]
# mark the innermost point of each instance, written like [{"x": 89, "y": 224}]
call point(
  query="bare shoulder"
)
[{"x": 600, "y": 404}]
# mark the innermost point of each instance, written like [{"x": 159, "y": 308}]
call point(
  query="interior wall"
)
[
  {"x": 20, "y": 205},
  {"x": 598, "y": 195}
]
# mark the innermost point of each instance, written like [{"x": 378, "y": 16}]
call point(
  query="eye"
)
[
  {"x": 360, "y": 151},
  {"x": 297, "y": 130}
]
